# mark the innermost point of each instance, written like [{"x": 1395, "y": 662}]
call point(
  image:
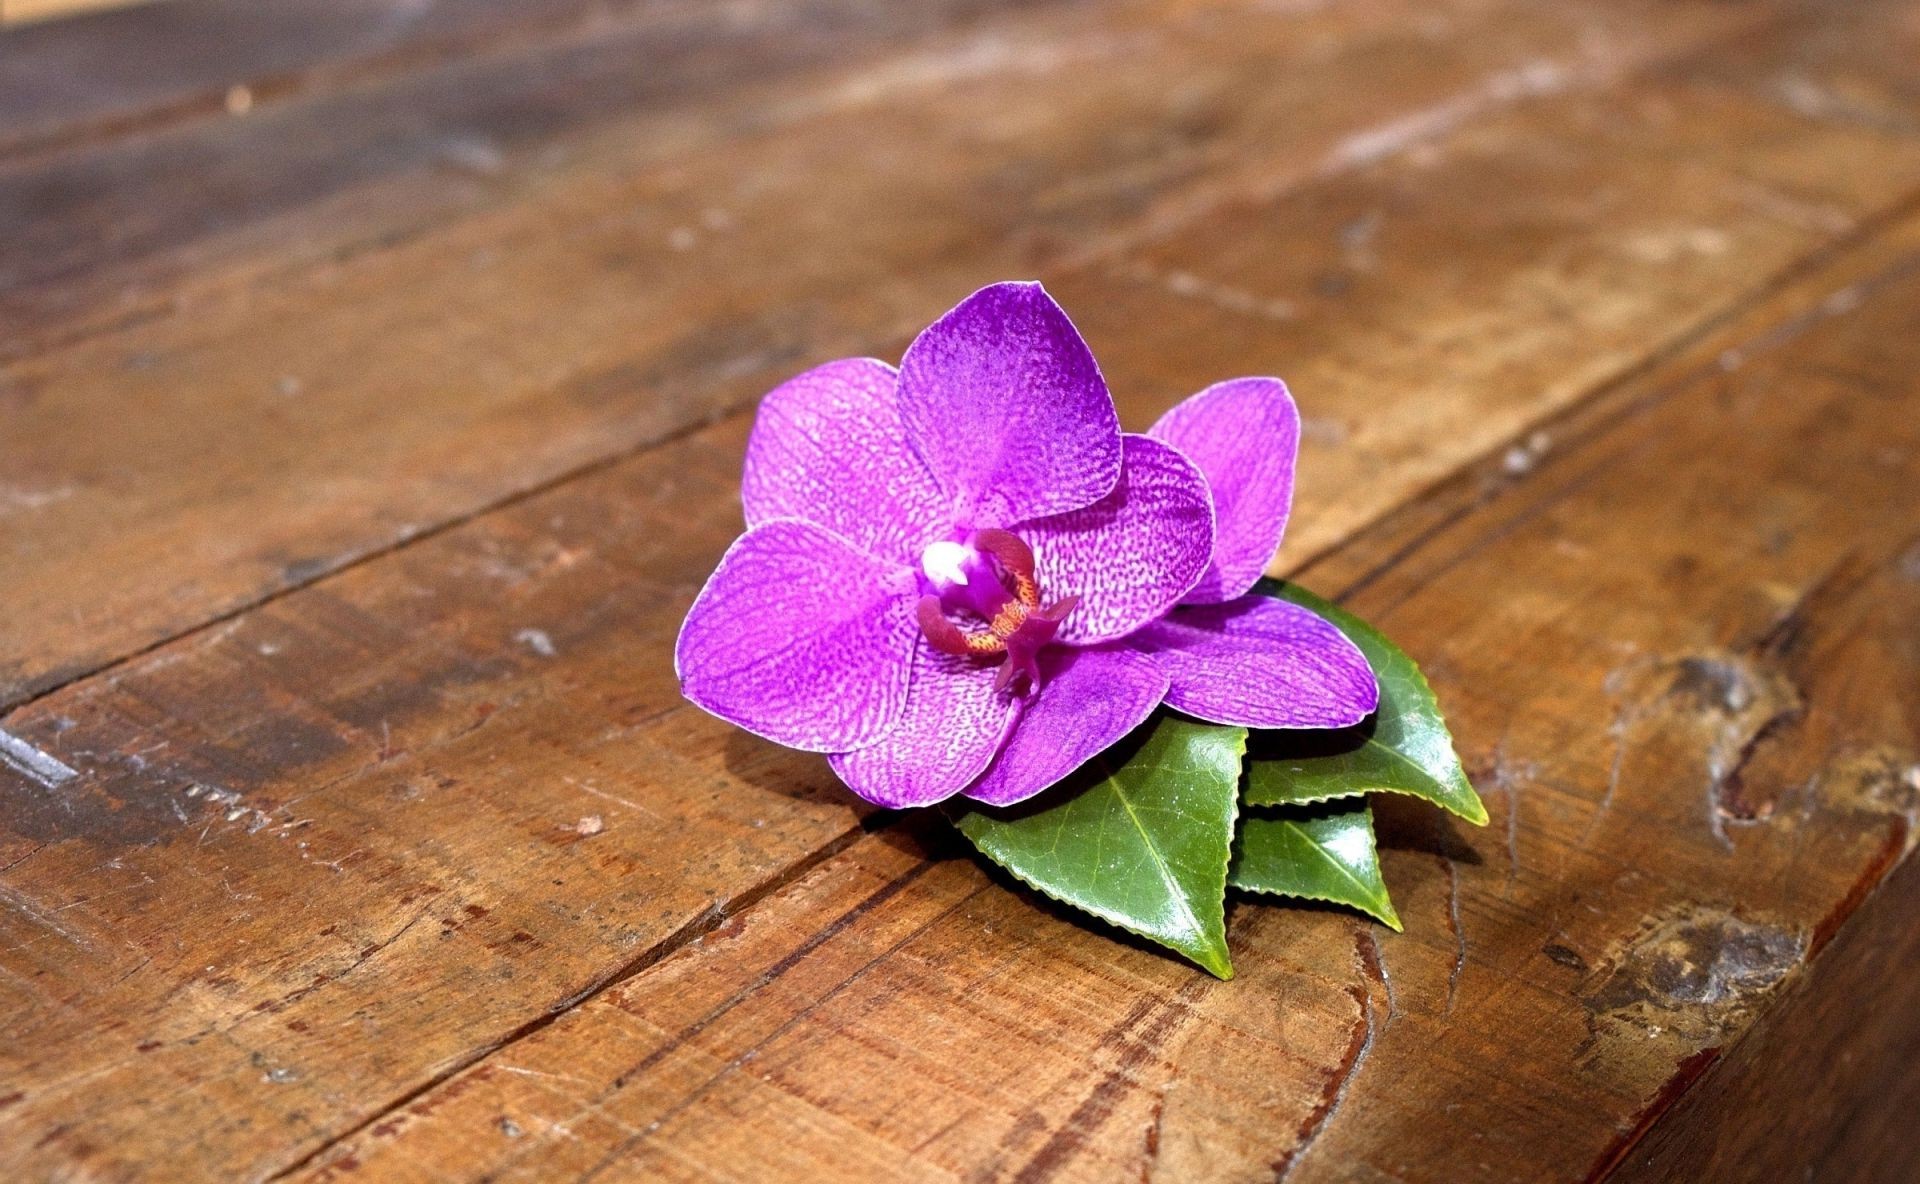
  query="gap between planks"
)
[{"x": 1476, "y": 483}]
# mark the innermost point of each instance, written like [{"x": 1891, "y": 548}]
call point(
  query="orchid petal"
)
[
  {"x": 953, "y": 724},
  {"x": 1245, "y": 435},
  {"x": 1133, "y": 554},
  {"x": 1257, "y": 662},
  {"x": 1003, "y": 401},
  {"x": 801, "y": 637},
  {"x": 828, "y": 447},
  {"x": 1088, "y": 700}
]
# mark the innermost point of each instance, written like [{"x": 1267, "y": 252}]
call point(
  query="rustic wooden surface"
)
[{"x": 372, "y": 393}]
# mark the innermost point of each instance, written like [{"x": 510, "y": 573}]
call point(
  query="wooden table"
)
[{"x": 373, "y": 384}]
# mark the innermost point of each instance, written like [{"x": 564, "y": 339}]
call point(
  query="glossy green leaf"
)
[
  {"x": 1404, "y": 747},
  {"x": 1319, "y": 852},
  {"x": 1139, "y": 837}
]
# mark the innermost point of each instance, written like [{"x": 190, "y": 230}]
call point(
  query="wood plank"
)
[
  {"x": 300, "y": 420},
  {"x": 311, "y": 795},
  {"x": 109, "y": 231},
  {"x": 1690, "y": 703},
  {"x": 379, "y": 707},
  {"x": 106, "y": 74}
]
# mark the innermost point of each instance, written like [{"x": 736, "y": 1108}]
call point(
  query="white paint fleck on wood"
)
[{"x": 42, "y": 768}]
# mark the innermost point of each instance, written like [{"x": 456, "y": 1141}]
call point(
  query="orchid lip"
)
[{"x": 989, "y": 577}]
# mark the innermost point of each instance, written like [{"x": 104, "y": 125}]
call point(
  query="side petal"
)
[
  {"x": 1245, "y": 435},
  {"x": 1131, "y": 555},
  {"x": 1004, "y": 403},
  {"x": 1260, "y": 663},
  {"x": 829, "y": 447},
  {"x": 801, "y": 637},
  {"x": 1088, "y": 700},
  {"x": 953, "y": 724}
]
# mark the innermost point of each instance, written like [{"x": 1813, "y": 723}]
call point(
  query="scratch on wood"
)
[
  {"x": 1536, "y": 79},
  {"x": 1505, "y": 774},
  {"x": 1459, "y": 934},
  {"x": 42, "y": 768},
  {"x": 1188, "y": 285}
]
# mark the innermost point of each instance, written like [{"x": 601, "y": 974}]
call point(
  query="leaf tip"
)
[{"x": 1217, "y": 964}]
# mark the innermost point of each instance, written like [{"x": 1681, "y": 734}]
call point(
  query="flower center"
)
[{"x": 989, "y": 578}]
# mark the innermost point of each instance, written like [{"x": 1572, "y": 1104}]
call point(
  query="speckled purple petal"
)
[
  {"x": 1089, "y": 699},
  {"x": 801, "y": 637},
  {"x": 953, "y": 724},
  {"x": 1004, "y": 403},
  {"x": 1131, "y": 555},
  {"x": 1260, "y": 663},
  {"x": 1244, "y": 434},
  {"x": 829, "y": 447}
]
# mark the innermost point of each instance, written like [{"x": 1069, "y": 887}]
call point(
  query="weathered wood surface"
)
[
  {"x": 408, "y": 345},
  {"x": 354, "y": 825}
]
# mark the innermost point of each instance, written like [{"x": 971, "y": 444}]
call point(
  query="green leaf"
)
[
  {"x": 1403, "y": 747},
  {"x": 1321, "y": 852},
  {"x": 1139, "y": 837}
]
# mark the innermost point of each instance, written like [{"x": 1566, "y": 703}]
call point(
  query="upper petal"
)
[
  {"x": 1088, "y": 699},
  {"x": 1245, "y": 435},
  {"x": 801, "y": 637},
  {"x": 1004, "y": 403},
  {"x": 1260, "y": 663},
  {"x": 829, "y": 447},
  {"x": 1131, "y": 555},
  {"x": 953, "y": 724}
]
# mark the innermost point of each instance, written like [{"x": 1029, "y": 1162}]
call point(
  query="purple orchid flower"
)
[{"x": 963, "y": 577}]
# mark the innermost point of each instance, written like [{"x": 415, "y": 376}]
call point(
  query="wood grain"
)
[
  {"x": 351, "y": 495},
  {"x": 131, "y": 72},
  {"x": 338, "y": 379},
  {"x": 1648, "y": 884}
]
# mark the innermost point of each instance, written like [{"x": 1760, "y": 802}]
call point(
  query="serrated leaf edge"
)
[
  {"x": 1316, "y": 799},
  {"x": 1224, "y": 969},
  {"x": 1392, "y": 918},
  {"x": 1478, "y": 816}
]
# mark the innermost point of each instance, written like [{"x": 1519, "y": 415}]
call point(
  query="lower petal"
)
[
  {"x": 1088, "y": 700},
  {"x": 1133, "y": 554},
  {"x": 801, "y": 637},
  {"x": 1260, "y": 663},
  {"x": 953, "y": 724}
]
